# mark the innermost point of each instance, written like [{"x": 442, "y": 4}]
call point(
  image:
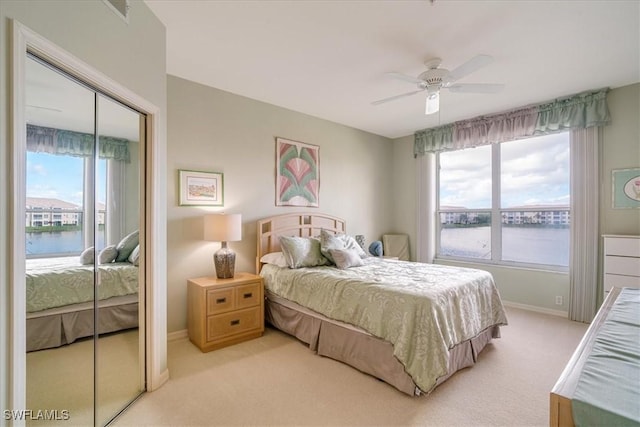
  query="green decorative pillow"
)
[
  {"x": 134, "y": 258},
  {"x": 88, "y": 256},
  {"x": 302, "y": 252},
  {"x": 346, "y": 258},
  {"x": 107, "y": 255},
  {"x": 126, "y": 246}
]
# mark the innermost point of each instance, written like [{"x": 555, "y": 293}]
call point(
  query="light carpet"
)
[
  {"x": 276, "y": 380},
  {"x": 62, "y": 379}
]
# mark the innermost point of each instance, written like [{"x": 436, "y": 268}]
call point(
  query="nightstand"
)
[{"x": 222, "y": 312}]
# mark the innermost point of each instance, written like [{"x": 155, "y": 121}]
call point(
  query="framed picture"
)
[
  {"x": 201, "y": 188},
  {"x": 626, "y": 188},
  {"x": 297, "y": 173}
]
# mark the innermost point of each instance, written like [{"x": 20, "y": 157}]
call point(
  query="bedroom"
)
[{"x": 201, "y": 119}]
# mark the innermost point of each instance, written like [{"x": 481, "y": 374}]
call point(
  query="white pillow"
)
[
  {"x": 275, "y": 258},
  {"x": 134, "y": 258},
  {"x": 346, "y": 258},
  {"x": 87, "y": 256},
  {"x": 108, "y": 254},
  {"x": 330, "y": 241}
]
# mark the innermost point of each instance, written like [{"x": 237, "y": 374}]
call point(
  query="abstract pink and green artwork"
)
[{"x": 298, "y": 173}]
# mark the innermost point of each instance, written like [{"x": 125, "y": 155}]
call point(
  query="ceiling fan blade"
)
[
  {"x": 392, "y": 98},
  {"x": 469, "y": 67},
  {"x": 404, "y": 77},
  {"x": 476, "y": 87}
]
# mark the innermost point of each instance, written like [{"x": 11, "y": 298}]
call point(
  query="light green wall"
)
[
  {"x": 133, "y": 55},
  {"x": 213, "y": 130},
  {"x": 620, "y": 150}
]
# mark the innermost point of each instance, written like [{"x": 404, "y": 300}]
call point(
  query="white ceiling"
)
[{"x": 328, "y": 59}]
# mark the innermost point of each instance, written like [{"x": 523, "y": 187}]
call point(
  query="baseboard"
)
[
  {"x": 537, "y": 309},
  {"x": 177, "y": 335}
]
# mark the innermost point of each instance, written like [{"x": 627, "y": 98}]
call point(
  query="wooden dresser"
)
[
  {"x": 621, "y": 262},
  {"x": 224, "y": 312}
]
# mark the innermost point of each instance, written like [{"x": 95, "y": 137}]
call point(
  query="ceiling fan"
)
[{"x": 436, "y": 78}]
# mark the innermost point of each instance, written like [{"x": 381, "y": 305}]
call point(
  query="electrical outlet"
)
[{"x": 559, "y": 300}]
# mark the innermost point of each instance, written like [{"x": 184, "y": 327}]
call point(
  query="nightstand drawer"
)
[
  {"x": 248, "y": 295},
  {"x": 219, "y": 301},
  {"x": 233, "y": 323}
]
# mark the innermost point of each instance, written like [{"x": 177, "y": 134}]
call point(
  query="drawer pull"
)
[
  {"x": 235, "y": 322},
  {"x": 248, "y": 295},
  {"x": 221, "y": 300}
]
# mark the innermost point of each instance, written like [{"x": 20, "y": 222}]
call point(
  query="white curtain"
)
[
  {"x": 426, "y": 207},
  {"x": 585, "y": 234}
]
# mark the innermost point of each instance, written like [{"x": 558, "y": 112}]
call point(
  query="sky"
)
[
  {"x": 60, "y": 177},
  {"x": 535, "y": 171}
]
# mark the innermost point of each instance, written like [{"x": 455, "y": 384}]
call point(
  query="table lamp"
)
[{"x": 223, "y": 228}]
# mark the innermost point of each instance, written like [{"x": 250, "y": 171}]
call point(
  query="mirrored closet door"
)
[{"x": 84, "y": 250}]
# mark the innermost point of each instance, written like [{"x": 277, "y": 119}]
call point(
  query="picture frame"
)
[
  {"x": 625, "y": 188},
  {"x": 198, "y": 188},
  {"x": 297, "y": 173}
]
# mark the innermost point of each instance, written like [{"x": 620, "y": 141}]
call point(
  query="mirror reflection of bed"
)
[
  {"x": 84, "y": 261},
  {"x": 60, "y": 293},
  {"x": 60, "y": 331}
]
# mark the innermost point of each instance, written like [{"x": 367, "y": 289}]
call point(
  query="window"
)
[
  {"x": 55, "y": 204},
  {"x": 506, "y": 203}
]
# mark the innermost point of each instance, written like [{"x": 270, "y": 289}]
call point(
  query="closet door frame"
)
[{"x": 154, "y": 297}]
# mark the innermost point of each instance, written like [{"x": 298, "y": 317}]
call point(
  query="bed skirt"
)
[
  {"x": 359, "y": 349},
  {"x": 63, "y": 325}
]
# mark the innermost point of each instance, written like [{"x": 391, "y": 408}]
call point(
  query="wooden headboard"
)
[{"x": 296, "y": 224}]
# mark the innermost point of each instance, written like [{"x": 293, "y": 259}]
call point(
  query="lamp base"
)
[{"x": 225, "y": 262}]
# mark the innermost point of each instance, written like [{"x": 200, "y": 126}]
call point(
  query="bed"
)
[
  {"x": 412, "y": 325},
  {"x": 599, "y": 385},
  {"x": 59, "y": 300}
]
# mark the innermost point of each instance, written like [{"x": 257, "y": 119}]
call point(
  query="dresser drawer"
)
[
  {"x": 236, "y": 322},
  {"x": 622, "y": 246},
  {"x": 626, "y": 266},
  {"x": 248, "y": 295},
  {"x": 618, "y": 281},
  {"x": 220, "y": 301}
]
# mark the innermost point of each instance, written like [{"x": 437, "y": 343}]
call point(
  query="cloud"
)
[
  {"x": 36, "y": 168},
  {"x": 533, "y": 171},
  {"x": 465, "y": 178},
  {"x": 40, "y": 190}
]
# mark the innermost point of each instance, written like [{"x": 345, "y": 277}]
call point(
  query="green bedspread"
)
[
  {"x": 422, "y": 309},
  {"x": 608, "y": 390},
  {"x": 56, "y": 282}
]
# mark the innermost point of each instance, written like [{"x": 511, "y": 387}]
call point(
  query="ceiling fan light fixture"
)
[{"x": 433, "y": 103}]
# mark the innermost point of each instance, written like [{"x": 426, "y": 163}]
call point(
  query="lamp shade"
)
[{"x": 223, "y": 228}]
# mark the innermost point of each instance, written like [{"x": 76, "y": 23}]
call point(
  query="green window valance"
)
[
  {"x": 58, "y": 141},
  {"x": 583, "y": 110}
]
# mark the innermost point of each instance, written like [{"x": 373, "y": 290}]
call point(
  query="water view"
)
[
  {"x": 537, "y": 245},
  {"x": 58, "y": 242}
]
